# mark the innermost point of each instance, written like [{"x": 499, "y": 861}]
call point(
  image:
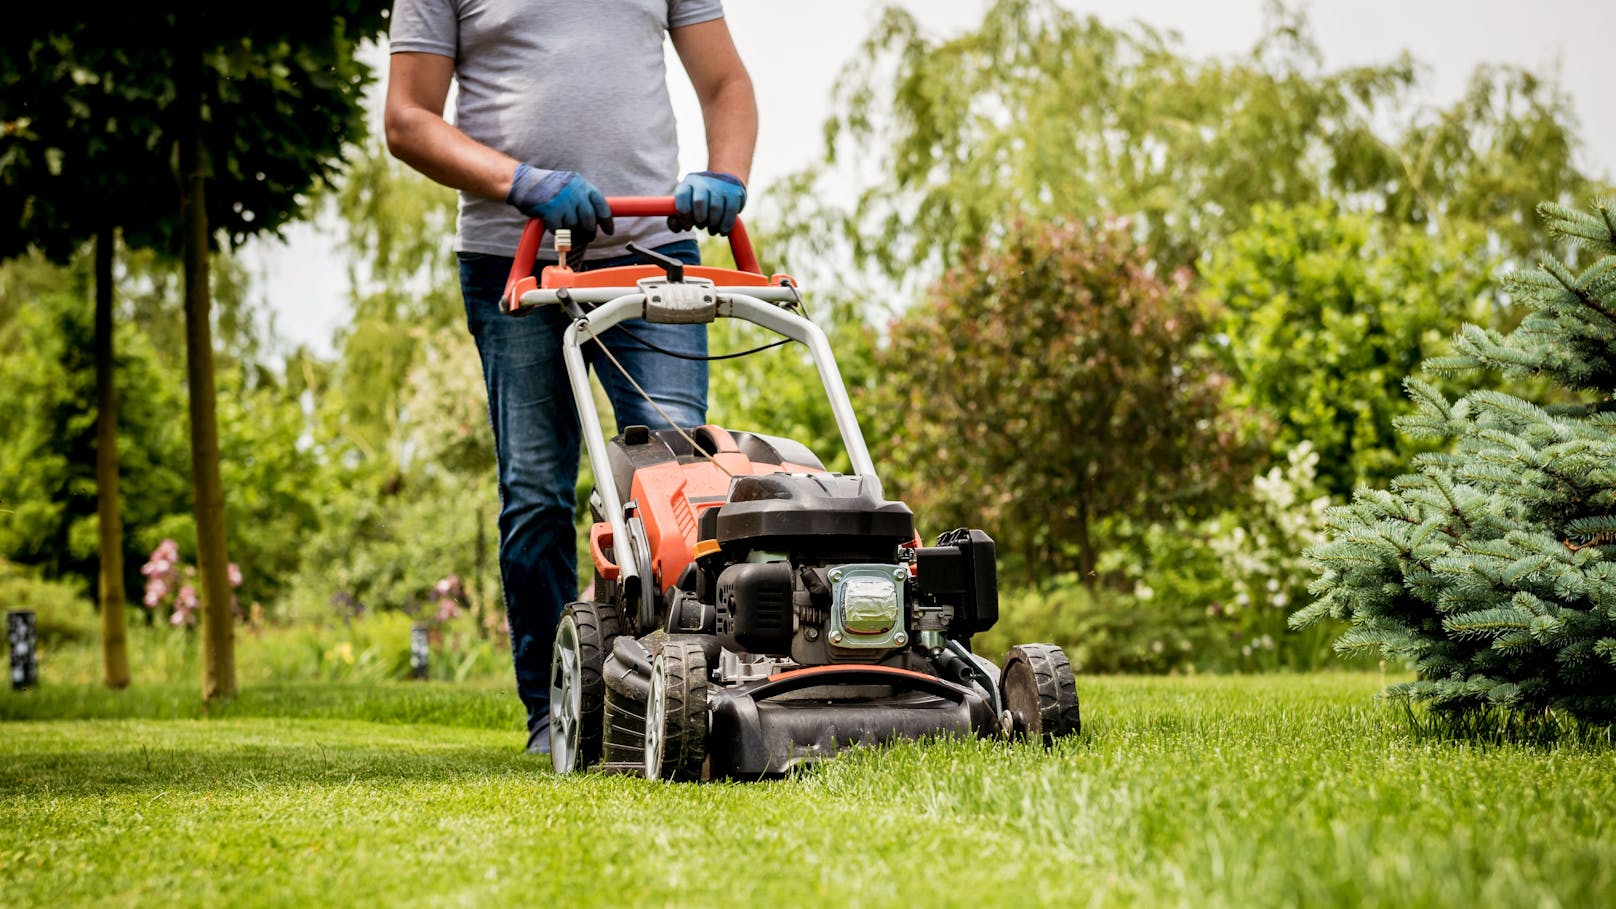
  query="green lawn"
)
[{"x": 1234, "y": 791}]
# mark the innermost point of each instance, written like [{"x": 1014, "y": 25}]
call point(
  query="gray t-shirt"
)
[{"x": 576, "y": 85}]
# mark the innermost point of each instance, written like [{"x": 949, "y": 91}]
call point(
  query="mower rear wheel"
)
[
  {"x": 578, "y": 684},
  {"x": 1040, "y": 692},
  {"x": 676, "y": 712}
]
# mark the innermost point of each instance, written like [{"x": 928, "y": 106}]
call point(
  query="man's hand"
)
[
  {"x": 561, "y": 199},
  {"x": 708, "y": 199}
]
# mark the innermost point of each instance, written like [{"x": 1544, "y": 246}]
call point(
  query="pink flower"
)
[
  {"x": 235, "y": 575},
  {"x": 156, "y": 589},
  {"x": 448, "y": 587}
]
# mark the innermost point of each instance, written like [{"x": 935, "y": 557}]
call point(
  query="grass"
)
[{"x": 1195, "y": 791}]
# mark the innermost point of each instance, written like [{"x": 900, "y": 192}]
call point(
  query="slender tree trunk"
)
[
  {"x": 1087, "y": 559},
  {"x": 114, "y": 631},
  {"x": 218, "y": 623}
]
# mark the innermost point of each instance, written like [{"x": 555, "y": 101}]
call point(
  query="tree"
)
[
  {"x": 1048, "y": 384},
  {"x": 89, "y": 136},
  {"x": 1041, "y": 113},
  {"x": 254, "y": 110},
  {"x": 1324, "y": 313},
  {"x": 1492, "y": 569}
]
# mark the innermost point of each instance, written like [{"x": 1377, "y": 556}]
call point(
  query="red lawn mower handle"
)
[{"x": 627, "y": 207}]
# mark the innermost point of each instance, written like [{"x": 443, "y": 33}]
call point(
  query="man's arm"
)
[
  {"x": 417, "y": 134},
  {"x": 728, "y": 107}
]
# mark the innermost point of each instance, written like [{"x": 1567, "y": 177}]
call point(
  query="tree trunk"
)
[
  {"x": 114, "y": 631},
  {"x": 1087, "y": 559},
  {"x": 218, "y": 622}
]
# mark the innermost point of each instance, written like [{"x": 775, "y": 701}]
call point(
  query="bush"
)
[
  {"x": 1048, "y": 383},
  {"x": 1223, "y": 587},
  {"x": 1325, "y": 312},
  {"x": 1101, "y": 630},
  {"x": 62, "y": 613}
]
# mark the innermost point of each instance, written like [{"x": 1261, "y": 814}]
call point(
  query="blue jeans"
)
[{"x": 536, "y": 441}]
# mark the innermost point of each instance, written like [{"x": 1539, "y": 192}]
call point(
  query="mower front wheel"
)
[
  {"x": 578, "y": 684},
  {"x": 1040, "y": 693},
  {"x": 676, "y": 712}
]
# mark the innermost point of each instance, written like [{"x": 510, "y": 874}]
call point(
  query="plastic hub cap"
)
[
  {"x": 566, "y": 699},
  {"x": 654, "y": 718}
]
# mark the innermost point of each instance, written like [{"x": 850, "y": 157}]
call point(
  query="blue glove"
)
[
  {"x": 561, "y": 199},
  {"x": 707, "y": 199}
]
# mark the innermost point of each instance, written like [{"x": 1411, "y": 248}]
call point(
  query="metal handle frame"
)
[{"x": 731, "y": 305}]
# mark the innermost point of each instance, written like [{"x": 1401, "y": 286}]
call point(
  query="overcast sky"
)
[{"x": 794, "y": 51}]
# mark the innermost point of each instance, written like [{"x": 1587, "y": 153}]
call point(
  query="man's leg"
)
[
  {"x": 678, "y": 386},
  {"x": 536, "y": 440}
]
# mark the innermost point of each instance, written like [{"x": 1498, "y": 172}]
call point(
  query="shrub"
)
[
  {"x": 1101, "y": 630},
  {"x": 62, "y": 613},
  {"x": 1493, "y": 567},
  {"x": 1048, "y": 383}
]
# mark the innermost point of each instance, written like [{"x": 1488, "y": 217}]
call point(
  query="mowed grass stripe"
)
[{"x": 1279, "y": 790}]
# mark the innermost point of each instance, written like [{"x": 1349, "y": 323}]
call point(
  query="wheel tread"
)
[
  {"x": 1059, "y": 710},
  {"x": 597, "y": 625},
  {"x": 684, "y": 748}
]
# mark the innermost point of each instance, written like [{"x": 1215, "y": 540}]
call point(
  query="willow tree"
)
[
  {"x": 227, "y": 116},
  {"x": 1040, "y": 113}
]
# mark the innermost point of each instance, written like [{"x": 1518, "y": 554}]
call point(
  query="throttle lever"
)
[{"x": 674, "y": 268}]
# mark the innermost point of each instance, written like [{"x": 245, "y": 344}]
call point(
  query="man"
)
[{"x": 559, "y": 105}]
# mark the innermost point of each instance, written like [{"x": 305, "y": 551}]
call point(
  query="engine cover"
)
[
  {"x": 754, "y": 607},
  {"x": 813, "y": 511}
]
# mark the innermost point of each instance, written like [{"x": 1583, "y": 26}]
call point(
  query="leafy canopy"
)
[
  {"x": 89, "y": 115},
  {"x": 1042, "y": 113}
]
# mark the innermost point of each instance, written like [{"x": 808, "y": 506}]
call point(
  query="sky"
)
[{"x": 795, "y": 51}]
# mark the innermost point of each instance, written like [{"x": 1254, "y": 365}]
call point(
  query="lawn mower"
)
[{"x": 753, "y": 612}]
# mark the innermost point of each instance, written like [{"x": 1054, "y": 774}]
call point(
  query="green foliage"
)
[
  {"x": 1324, "y": 314},
  {"x": 1259, "y": 552},
  {"x": 1102, "y": 630},
  {"x": 47, "y": 454},
  {"x": 400, "y": 415},
  {"x": 385, "y": 540},
  {"x": 91, "y": 119},
  {"x": 1213, "y": 594},
  {"x": 273, "y": 506},
  {"x": 328, "y": 648},
  {"x": 1493, "y": 568},
  {"x": 1049, "y": 384},
  {"x": 62, "y": 614},
  {"x": 1042, "y": 113},
  {"x": 405, "y": 290},
  {"x": 47, "y": 459},
  {"x": 375, "y": 649},
  {"x": 778, "y": 391}
]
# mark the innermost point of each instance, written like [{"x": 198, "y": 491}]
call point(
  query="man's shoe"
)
[{"x": 538, "y": 740}]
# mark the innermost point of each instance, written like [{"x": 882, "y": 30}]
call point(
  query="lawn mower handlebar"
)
[{"x": 740, "y": 245}]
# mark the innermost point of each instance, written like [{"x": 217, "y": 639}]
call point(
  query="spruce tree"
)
[{"x": 1492, "y": 568}]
